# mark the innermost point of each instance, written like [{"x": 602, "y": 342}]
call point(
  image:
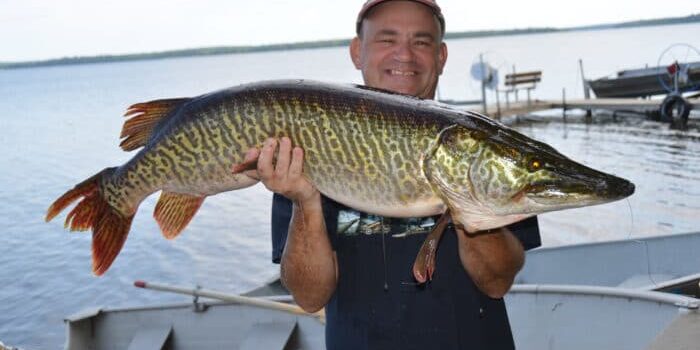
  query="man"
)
[{"x": 359, "y": 266}]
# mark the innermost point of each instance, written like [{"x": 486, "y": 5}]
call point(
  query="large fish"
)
[{"x": 382, "y": 153}]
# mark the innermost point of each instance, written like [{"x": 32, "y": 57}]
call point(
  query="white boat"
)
[{"x": 628, "y": 294}]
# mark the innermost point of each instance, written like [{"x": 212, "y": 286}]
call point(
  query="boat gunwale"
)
[
  {"x": 91, "y": 312},
  {"x": 617, "y": 292},
  {"x": 625, "y": 241}
]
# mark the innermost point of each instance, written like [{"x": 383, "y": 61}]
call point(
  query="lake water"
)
[{"x": 60, "y": 125}]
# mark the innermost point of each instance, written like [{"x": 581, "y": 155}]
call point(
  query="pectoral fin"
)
[
  {"x": 424, "y": 266},
  {"x": 246, "y": 165}
]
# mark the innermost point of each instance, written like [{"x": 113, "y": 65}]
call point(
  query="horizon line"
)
[{"x": 325, "y": 43}]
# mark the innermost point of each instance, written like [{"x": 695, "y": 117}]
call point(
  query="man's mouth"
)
[{"x": 403, "y": 73}]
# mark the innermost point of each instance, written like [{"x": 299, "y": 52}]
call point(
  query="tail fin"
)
[{"x": 109, "y": 227}]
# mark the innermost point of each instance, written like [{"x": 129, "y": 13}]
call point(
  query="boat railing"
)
[{"x": 652, "y": 296}]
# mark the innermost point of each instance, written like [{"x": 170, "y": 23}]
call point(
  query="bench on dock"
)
[{"x": 521, "y": 81}]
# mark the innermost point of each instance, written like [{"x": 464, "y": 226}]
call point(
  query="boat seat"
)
[
  {"x": 272, "y": 335},
  {"x": 152, "y": 338}
]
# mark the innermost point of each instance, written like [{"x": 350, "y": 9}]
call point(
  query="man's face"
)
[{"x": 400, "y": 49}]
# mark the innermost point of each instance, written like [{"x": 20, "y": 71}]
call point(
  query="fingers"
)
[
  {"x": 275, "y": 174},
  {"x": 265, "y": 168},
  {"x": 282, "y": 166},
  {"x": 284, "y": 175},
  {"x": 297, "y": 164}
]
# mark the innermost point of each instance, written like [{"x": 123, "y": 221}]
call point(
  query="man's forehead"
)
[
  {"x": 388, "y": 31},
  {"x": 387, "y": 20},
  {"x": 414, "y": 5}
]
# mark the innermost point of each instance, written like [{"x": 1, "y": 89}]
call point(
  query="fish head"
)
[{"x": 496, "y": 176}]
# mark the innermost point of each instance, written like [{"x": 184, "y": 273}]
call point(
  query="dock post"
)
[
  {"x": 483, "y": 82},
  {"x": 515, "y": 90},
  {"x": 563, "y": 102},
  {"x": 586, "y": 88},
  {"x": 498, "y": 106}
]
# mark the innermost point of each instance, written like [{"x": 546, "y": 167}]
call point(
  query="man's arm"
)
[
  {"x": 308, "y": 266},
  {"x": 491, "y": 258}
]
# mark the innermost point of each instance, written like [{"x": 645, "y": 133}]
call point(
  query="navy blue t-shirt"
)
[{"x": 377, "y": 303}]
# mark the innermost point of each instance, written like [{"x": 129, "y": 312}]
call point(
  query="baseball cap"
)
[{"x": 372, "y": 3}]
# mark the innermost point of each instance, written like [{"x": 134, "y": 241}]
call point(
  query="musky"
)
[{"x": 43, "y": 29}]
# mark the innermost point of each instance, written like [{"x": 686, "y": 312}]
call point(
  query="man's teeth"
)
[{"x": 399, "y": 72}]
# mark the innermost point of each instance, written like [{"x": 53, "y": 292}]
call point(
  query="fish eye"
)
[{"x": 534, "y": 165}]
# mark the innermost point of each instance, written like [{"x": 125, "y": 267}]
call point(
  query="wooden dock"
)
[
  {"x": 610, "y": 104},
  {"x": 618, "y": 104}
]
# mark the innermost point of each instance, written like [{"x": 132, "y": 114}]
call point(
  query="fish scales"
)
[
  {"x": 339, "y": 144},
  {"x": 378, "y": 152}
]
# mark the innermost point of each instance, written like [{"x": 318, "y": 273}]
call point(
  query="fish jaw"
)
[
  {"x": 565, "y": 191},
  {"x": 560, "y": 184}
]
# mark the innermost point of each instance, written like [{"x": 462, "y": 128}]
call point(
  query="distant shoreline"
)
[{"x": 224, "y": 50}]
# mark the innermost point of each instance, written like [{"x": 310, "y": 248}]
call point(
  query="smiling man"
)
[
  {"x": 399, "y": 52},
  {"x": 358, "y": 265}
]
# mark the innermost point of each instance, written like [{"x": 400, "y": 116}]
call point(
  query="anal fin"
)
[
  {"x": 174, "y": 211},
  {"x": 424, "y": 266}
]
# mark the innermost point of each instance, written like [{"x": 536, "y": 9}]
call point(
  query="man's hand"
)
[
  {"x": 308, "y": 267},
  {"x": 492, "y": 259},
  {"x": 285, "y": 176}
]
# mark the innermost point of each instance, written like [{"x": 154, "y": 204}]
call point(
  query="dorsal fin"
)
[
  {"x": 143, "y": 117},
  {"x": 174, "y": 211}
]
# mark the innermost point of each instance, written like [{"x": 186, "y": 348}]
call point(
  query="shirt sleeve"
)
[
  {"x": 331, "y": 209},
  {"x": 282, "y": 216},
  {"x": 528, "y": 232}
]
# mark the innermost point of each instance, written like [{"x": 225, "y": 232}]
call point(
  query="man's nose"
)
[{"x": 404, "y": 52}]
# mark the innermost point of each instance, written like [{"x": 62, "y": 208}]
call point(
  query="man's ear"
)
[
  {"x": 355, "y": 52},
  {"x": 442, "y": 56}
]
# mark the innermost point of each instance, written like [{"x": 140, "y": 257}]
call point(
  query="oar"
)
[{"x": 259, "y": 302}]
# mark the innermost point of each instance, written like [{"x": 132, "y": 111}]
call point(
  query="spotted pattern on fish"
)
[
  {"x": 354, "y": 143},
  {"x": 382, "y": 153}
]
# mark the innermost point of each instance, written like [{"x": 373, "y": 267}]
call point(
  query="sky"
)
[{"x": 44, "y": 29}]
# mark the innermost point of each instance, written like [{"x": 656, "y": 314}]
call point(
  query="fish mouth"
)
[{"x": 576, "y": 192}]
